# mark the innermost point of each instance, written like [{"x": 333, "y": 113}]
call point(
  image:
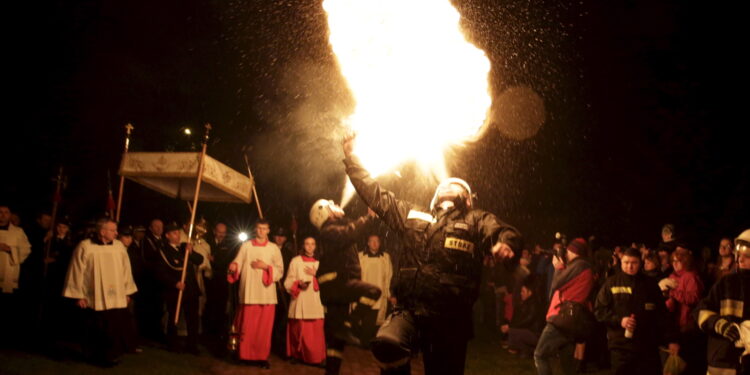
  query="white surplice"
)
[
  {"x": 252, "y": 289},
  {"x": 10, "y": 263},
  {"x": 100, "y": 274}
]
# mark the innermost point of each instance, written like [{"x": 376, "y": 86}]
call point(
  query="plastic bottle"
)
[{"x": 629, "y": 332}]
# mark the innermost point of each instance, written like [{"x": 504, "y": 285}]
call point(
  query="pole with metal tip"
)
[
  {"x": 201, "y": 165},
  {"x": 128, "y": 129}
]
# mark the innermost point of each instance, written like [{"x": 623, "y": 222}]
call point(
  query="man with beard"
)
[
  {"x": 339, "y": 276},
  {"x": 439, "y": 273}
]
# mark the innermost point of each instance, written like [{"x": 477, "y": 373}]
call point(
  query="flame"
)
[{"x": 420, "y": 87}]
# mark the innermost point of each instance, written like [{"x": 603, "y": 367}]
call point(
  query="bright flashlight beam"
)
[
  {"x": 242, "y": 236},
  {"x": 420, "y": 87},
  {"x": 187, "y": 131}
]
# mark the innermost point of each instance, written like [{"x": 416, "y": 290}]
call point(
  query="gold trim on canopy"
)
[{"x": 174, "y": 174}]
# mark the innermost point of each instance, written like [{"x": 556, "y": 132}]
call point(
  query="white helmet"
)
[
  {"x": 742, "y": 243},
  {"x": 321, "y": 211},
  {"x": 448, "y": 181}
]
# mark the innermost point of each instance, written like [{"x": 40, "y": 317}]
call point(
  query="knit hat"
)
[{"x": 578, "y": 246}]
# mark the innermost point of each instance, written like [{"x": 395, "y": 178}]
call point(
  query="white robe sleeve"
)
[
  {"x": 21, "y": 250},
  {"x": 240, "y": 260},
  {"x": 278, "y": 264},
  {"x": 75, "y": 283},
  {"x": 291, "y": 276}
]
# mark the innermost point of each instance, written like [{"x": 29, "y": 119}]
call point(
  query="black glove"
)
[{"x": 727, "y": 329}]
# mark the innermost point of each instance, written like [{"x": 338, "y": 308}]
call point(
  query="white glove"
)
[{"x": 667, "y": 283}]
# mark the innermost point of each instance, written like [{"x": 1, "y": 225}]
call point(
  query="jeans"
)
[{"x": 552, "y": 342}]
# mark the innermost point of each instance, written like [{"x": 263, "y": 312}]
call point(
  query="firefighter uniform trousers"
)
[{"x": 336, "y": 296}]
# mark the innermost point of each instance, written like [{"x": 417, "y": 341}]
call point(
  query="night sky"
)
[{"x": 638, "y": 98}]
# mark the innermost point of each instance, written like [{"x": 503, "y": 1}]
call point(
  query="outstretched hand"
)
[
  {"x": 502, "y": 251},
  {"x": 348, "y": 143}
]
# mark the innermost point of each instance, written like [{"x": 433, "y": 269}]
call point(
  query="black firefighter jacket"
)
[{"x": 441, "y": 264}]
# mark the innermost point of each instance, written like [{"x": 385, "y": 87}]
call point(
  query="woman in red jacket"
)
[{"x": 683, "y": 289}]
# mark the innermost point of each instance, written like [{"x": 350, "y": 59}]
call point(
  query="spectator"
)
[
  {"x": 527, "y": 320},
  {"x": 573, "y": 281},
  {"x": 683, "y": 289},
  {"x": 630, "y": 305}
]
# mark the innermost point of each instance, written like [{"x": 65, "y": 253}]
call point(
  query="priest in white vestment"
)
[
  {"x": 377, "y": 269},
  {"x": 100, "y": 280},
  {"x": 14, "y": 249}
]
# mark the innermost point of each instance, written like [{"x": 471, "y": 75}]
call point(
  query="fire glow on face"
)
[{"x": 420, "y": 87}]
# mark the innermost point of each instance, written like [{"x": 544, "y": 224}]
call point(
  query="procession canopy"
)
[{"x": 174, "y": 174}]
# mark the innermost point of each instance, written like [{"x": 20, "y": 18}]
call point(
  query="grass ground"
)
[{"x": 485, "y": 356}]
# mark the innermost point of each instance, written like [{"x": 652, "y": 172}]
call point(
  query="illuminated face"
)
[
  {"x": 261, "y": 231},
  {"x": 649, "y": 265},
  {"x": 450, "y": 192},
  {"x": 630, "y": 265},
  {"x": 725, "y": 248},
  {"x": 743, "y": 254},
  {"x": 156, "y": 227},
  {"x": 525, "y": 293},
  {"x": 108, "y": 233},
  {"x": 126, "y": 240},
  {"x": 373, "y": 243},
  {"x": 309, "y": 246},
  {"x": 220, "y": 232},
  {"x": 4, "y": 215},
  {"x": 62, "y": 229},
  {"x": 676, "y": 264},
  {"x": 45, "y": 221}
]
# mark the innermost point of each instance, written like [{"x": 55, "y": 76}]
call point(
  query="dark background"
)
[{"x": 641, "y": 102}]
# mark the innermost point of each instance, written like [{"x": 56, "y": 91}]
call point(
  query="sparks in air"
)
[{"x": 420, "y": 87}]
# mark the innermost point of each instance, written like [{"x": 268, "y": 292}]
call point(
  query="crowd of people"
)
[
  {"x": 647, "y": 306},
  {"x": 105, "y": 291},
  {"x": 633, "y": 309}
]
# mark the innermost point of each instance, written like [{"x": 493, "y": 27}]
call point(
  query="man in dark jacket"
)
[
  {"x": 527, "y": 321},
  {"x": 216, "y": 319},
  {"x": 169, "y": 273},
  {"x": 439, "y": 270},
  {"x": 630, "y": 304},
  {"x": 722, "y": 310},
  {"x": 339, "y": 276},
  {"x": 572, "y": 281}
]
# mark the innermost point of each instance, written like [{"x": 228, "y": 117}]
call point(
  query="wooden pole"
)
[
  {"x": 255, "y": 192},
  {"x": 128, "y": 129},
  {"x": 201, "y": 164}
]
